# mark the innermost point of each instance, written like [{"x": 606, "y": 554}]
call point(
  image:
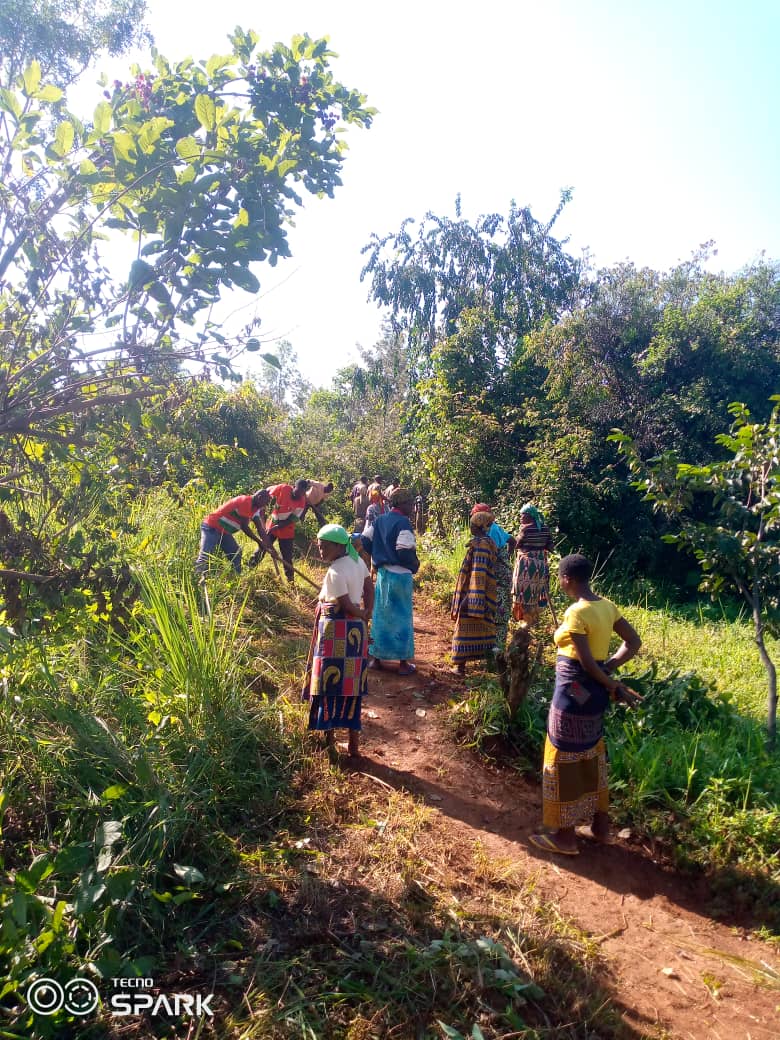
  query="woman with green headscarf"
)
[
  {"x": 335, "y": 672},
  {"x": 531, "y": 579}
]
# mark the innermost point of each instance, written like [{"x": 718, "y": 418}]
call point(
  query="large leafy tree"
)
[
  {"x": 660, "y": 355},
  {"x": 199, "y": 165},
  {"x": 193, "y": 171},
  {"x": 727, "y": 513},
  {"x": 511, "y": 268},
  {"x": 64, "y": 36},
  {"x": 465, "y": 295}
]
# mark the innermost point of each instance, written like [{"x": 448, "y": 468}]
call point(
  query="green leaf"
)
[
  {"x": 102, "y": 117},
  {"x": 124, "y": 145},
  {"x": 217, "y": 62},
  {"x": 190, "y": 875},
  {"x": 272, "y": 360},
  {"x": 243, "y": 278},
  {"x": 109, "y": 832},
  {"x": 31, "y": 77},
  {"x": 206, "y": 111},
  {"x": 49, "y": 93},
  {"x": 159, "y": 292},
  {"x": 113, "y": 792},
  {"x": 63, "y": 139},
  {"x": 141, "y": 274},
  {"x": 188, "y": 148},
  {"x": 9, "y": 102}
]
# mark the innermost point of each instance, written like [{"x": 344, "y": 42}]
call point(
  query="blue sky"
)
[{"x": 662, "y": 116}]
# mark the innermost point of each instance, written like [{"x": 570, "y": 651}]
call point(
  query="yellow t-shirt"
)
[{"x": 591, "y": 618}]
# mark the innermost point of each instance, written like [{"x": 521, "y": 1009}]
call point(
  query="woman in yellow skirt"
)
[{"x": 574, "y": 781}]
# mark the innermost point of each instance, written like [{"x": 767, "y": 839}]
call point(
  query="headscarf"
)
[
  {"x": 533, "y": 512},
  {"x": 336, "y": 533},
  {"x": 482, "y": 516},
  {"x": 400, "y": 497}
]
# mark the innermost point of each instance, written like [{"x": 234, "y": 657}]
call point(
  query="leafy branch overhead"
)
[{"x": 200, "y": 165}]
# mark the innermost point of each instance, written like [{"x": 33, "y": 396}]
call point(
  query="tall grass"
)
[{"x": 131, "y": 762}]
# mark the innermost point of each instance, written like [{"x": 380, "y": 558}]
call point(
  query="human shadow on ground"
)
[
  {"x": 510, "y": 807},
  {"x": 333, "y": 958}
]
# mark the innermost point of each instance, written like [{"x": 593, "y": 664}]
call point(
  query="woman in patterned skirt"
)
[
  {"x": 531, "y": 579},
  {"x": 574, "y": 776},
  {"x": 474, "y": 602},
  {"x": 335, "y": 673}
]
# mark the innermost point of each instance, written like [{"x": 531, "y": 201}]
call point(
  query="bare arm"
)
[
  {"x": 628, "y": 648},
  {"x": 354, "y": 609},
  {"x": 250, "y": 533},
  {"x": 368, "y": 596}
]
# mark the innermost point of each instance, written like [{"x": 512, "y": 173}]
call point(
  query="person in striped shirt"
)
[{"x": 218, "y": 530}]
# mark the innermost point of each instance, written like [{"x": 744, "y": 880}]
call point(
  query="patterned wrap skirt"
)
[
  {"x": 574, "y": 774},
  {"x": 531, "y": 579},
  {"x": 336, "y": 678},
  {"x": 392, "y": 623},
  {"x": 473, "y": 638}
]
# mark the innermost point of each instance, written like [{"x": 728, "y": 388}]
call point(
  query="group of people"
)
[
  {"x": 487, "y": 590},
  {"x": 288, "y": 504},
  {"x": 488, "y": 587},
  {"x": 370, "y": 500}
]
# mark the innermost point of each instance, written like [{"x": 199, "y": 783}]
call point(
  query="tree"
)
[
  {"x": 196, "y": 168},
  {"x": 512, "y": 268},
  {"x": 728, "y": 514},
  {"x": 464, "y": 296},
  {"x": 200, "y": 165},
  {"x": 64, "y": 36}
]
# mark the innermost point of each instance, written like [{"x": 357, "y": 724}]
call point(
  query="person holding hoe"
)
[
  {"x": 574, "y": 775},
  {"x": 219, "y": 528}
]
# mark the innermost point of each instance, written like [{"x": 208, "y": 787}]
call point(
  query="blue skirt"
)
[{"x": 392, "y": 624}]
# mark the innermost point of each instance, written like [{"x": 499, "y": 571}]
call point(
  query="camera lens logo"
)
[
  {"x": 45, "y": 996},
  {"x": 78, "y": 997},
  {"x": 81, "y": 996}
]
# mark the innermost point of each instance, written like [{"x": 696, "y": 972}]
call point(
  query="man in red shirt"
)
[
  {"x": 289, "y": 504},
  {"x": 218, "y": 529}
]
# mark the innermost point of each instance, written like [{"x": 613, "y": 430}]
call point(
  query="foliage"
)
[
  {"x": 64, "y": 36},
  {"x": 128, "y": 765},
  {"x": 200, "y": 163},
  {"x": 727, "y": 513},
  {"x": 512, "y": 269}
]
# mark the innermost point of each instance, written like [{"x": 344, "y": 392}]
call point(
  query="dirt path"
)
[{"x": 652, "y": 925}]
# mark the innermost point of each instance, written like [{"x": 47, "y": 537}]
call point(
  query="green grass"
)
[{"x": 720, "y": 649}]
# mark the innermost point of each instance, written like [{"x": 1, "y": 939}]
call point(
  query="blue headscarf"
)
[{"x": 533, "y": 512}]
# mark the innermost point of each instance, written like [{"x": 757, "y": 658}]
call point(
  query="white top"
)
[{"x": 345, "y": 577}]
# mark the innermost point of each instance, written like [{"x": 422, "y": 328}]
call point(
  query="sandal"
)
[
  {"x": 407, "y": 669},
  {"x": 588, "y": 834},
  {"x": 546, "y": 844},
  {"x": 375, "y": 664}
]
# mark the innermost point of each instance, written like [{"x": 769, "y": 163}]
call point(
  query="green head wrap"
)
[
  {"x": 336, "y": 533},
  {"x": 533, "y": 512}
]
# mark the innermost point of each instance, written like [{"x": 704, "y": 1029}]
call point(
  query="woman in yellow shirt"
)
[{"x": 574, "y": 778}]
